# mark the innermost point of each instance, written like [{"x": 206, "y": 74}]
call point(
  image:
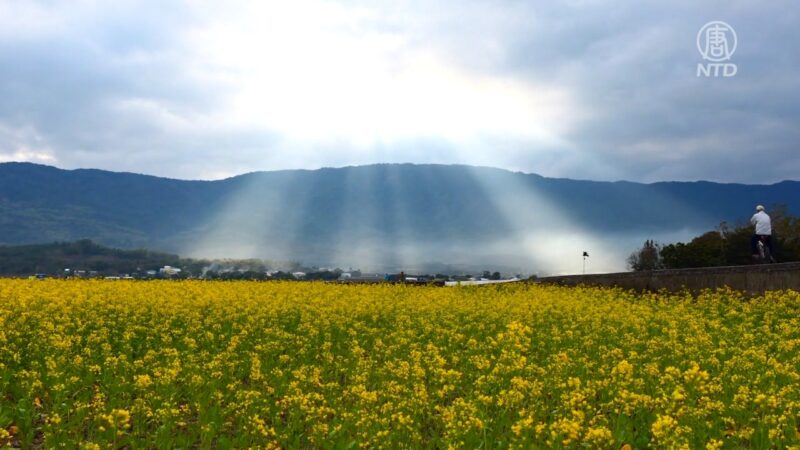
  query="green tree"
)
[
  {"x": 730, "y": 245},
  {"x": 706, "y": 250},
  {"x": 646, "y": 258}
]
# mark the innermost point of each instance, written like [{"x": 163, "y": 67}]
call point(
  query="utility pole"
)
[{"x": 585, "y": 255}]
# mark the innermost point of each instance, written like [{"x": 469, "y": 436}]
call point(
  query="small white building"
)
[{"x": 169, "y": 271}]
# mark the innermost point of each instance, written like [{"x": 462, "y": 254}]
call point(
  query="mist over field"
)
[
  {"x": 540, "y": 253},
  {"x": 391, "y": 218}
]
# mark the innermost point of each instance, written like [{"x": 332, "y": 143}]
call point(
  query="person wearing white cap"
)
[{"x": 763, "y": 231}]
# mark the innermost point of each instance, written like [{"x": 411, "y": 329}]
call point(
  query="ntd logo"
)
[{"x": 716, "y": 42}]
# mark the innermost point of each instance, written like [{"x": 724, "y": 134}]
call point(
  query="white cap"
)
[{"x": 759, "y": 208}]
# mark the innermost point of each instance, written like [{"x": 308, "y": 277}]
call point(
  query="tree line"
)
[
  {"x": 87, "y": 256},
  {"x": 727, "y": 245}
]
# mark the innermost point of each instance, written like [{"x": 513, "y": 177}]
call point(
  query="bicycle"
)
[{"x": 764, "y": 254}]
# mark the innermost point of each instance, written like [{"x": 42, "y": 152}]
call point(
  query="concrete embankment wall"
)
[{"x": 753, "y": 279}]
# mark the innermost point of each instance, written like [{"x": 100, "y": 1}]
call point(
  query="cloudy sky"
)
[{"x": 584, "y": 89}]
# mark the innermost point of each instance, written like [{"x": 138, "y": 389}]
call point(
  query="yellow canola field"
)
[{"x": 190, "y": 364}]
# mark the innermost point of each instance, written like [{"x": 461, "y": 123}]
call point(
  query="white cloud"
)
[
  {"x": 319, "y": 72},
  {"x": 24, "y": 144},
  {"x": 25, "y": 154}
]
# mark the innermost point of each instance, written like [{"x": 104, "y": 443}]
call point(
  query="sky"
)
[{"x": 602, "y": 90}]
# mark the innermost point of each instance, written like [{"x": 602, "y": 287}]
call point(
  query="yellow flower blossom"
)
[{"x": 315, "y": 365}]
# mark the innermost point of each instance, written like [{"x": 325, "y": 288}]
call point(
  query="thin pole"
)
[{"x": 584, "y": 265}]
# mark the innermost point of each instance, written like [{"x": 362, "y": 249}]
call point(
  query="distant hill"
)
[
  {"x": 84, "y": 255},
  {"x": 85, "y": 258},
  {"x": 387, "y": 214}
]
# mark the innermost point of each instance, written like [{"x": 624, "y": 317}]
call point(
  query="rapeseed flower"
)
[{"x": 99, "y": 364}]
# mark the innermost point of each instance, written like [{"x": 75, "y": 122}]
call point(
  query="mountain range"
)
[{"x": 385, "y": 215}]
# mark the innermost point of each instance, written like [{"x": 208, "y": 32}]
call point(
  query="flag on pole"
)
[{"x": 585, "y": 254}]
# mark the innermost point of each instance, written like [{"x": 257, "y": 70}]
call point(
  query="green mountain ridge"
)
[{"x": 312, "y": 214}]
